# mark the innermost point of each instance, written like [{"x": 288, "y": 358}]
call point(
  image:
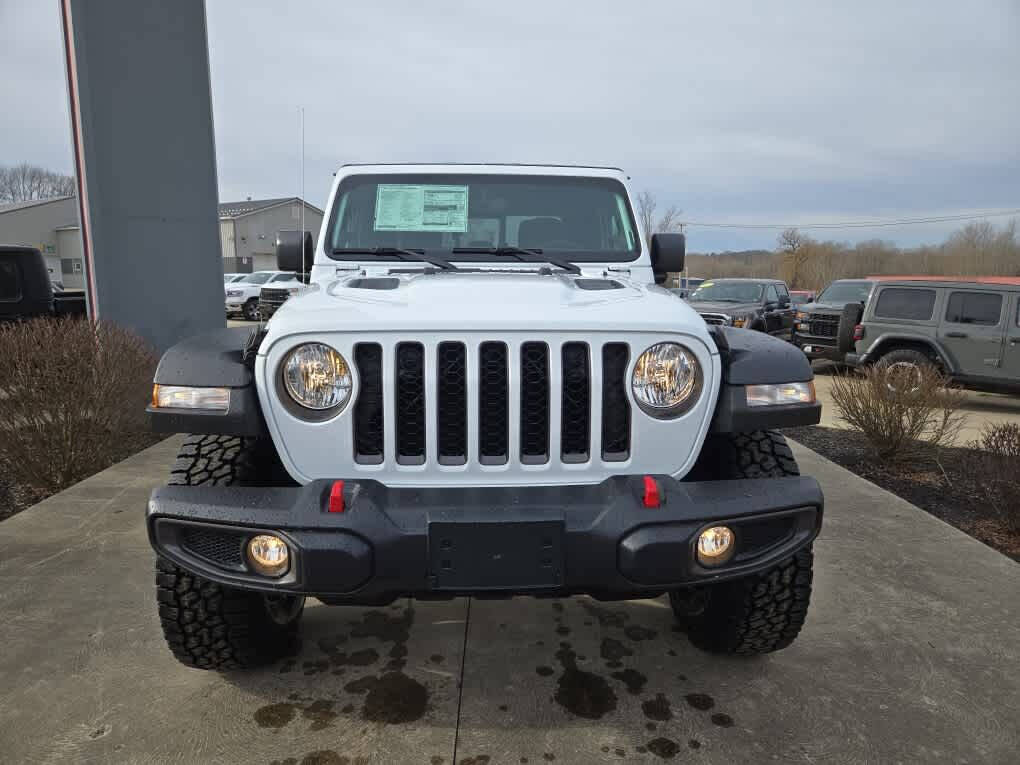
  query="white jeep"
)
[{"x": 482, "y": 391}]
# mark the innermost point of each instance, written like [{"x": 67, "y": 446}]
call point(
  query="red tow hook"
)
[
  {"x": 336, "y": 497},
  {"x": 653, "y": 494}
]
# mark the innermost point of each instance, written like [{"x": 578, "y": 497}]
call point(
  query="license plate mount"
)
[{"x": 496, "y": 556}]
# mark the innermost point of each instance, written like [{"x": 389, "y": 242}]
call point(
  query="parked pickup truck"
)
[
  {"x": 481, "y": 392},
  {"x": 759, "y": 304},
  {"x": 26, "y": 290},
  {"x": 242, "y": 296}
]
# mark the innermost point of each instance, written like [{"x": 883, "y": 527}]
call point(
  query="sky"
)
[{"x": 736, "y": 112}]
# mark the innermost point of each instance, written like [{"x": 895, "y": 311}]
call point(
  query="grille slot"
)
[
  {"x": 493, "y": 404},
  {"x": 575, "y": 435},
  {"x": 615, "y": 406},
  {"x": 410, "y": 403},
  {"x": 451, "y": 411},
  {"x": 222, "y": 548},
  {"x": 824, "y": 324},
  {"x": 534, "y": 403},
  {"x": 368, "y": 410}
]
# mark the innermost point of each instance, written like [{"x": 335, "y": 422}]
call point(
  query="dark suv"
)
[
  {"x": 969, "y": 330},
  {"x": 761, "y": 304},
  {"x": 816, "y": 330}
]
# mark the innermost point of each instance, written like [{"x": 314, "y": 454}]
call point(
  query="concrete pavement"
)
[{"x": 910, "y": 654}]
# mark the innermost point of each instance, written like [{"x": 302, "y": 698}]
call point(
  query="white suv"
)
[{"x": 242, "y": 297}]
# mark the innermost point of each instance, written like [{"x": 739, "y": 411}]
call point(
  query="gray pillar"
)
[{"x": 141, "y": 118}]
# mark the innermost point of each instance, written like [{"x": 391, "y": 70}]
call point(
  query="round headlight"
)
[
  {"x": 317, "y": 377},
  {"x": 667, "y": 380}
]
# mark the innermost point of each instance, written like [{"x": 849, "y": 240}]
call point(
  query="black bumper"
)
[
  {"x": 821, "y": 347},
  {"x": 394, "y": 542}
]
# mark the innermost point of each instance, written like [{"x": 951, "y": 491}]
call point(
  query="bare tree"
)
[
  {"x": 25, "y": 182},
  {"x": 666, "y": 223}
]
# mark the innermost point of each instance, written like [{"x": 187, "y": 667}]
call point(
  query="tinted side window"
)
[
  {"x": 10, "y": 280},
  {"x": 905, "y": 303},
  {"x": 974, "y": 308},
  {"x": 771, "y": 296},
  {"x": 784, "y": 294}
]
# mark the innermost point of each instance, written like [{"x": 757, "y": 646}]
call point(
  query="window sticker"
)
[{"x": 406, "y": 207}]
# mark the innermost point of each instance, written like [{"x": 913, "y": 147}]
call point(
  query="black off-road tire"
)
[
  {"x": 208, "y": 625},
  {"x": 760, "y": 613},
  {"x": 848, "y": 321}
]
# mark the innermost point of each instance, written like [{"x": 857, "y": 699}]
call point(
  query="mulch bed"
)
[{"x": 943, "y": 486}]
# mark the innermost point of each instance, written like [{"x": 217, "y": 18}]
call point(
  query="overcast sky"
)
[{"x": 734, "y": 111}]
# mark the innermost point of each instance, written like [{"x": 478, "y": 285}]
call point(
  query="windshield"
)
[
  {"x": 579, "y": 219},
  {"x": 259, "y": 277},
  {"x": 728, "y": 292},
  {"x": 799, "y": 298},
  {"x": 845, "y": 292}
]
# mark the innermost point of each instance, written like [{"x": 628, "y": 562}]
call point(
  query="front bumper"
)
[
  {"x": 393, "y": 542},
  {"x": 820, "y": 347}
]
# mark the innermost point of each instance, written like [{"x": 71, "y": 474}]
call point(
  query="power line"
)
[{"x": 860, "y": 223}]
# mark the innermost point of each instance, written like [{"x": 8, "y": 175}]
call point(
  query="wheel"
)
[
  {"x": 848, "y": 322},
  {"x": 251, "y": 310},
  {"x": 205, "y": 624},
  {"x": 904, "y": 369},
  {"x": 763, "y": 612}
]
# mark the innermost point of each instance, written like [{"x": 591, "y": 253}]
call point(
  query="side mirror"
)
[
  {"x": 667, "y": 253},
  {"x": 294, "y": 252}
]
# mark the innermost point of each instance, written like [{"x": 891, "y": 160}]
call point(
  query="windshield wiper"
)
[
  {"x": 527, "y": 256},
  {"x": 401, "y": 253}
]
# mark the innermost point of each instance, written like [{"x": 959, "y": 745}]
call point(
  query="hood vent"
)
[{"x": 598, "y": 284}]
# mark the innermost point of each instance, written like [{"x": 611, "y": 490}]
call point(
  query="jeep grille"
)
[
  {"x": 550, "y": 397},
  {"x": 715, "y": 318}
]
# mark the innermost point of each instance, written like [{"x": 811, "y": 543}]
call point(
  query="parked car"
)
[
  {"x": 968, "y": 330},
  {"x": 228, "y": 278},
  {"x": 274, "y": 295},
  {"x": 443, "y": 417},
  {"x": 242, "y": 297},
  {"x": 686, "y": 286},
  {"x": 759, "y": 304},
  {"x": 817, "y": 325},
  {"x": 26, "y": 290}
]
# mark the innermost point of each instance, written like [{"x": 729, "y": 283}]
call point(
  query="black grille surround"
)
[
  {"x": 615, "y": 405},
  {"x": 463, "y": 390},
  {"x": 368, "y": 409},
  {"x": 534, "y": 403},
  {"x": 575, "y": 430},
  {"x": 824, "y": 324},
  {"x": 451, "y": 404},
  {"x": 493, "y": 404},
  {"x": 410, "y": 409}
]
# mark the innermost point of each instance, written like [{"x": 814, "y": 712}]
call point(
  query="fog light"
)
[
  {"x": 269, "y": 555},
  {"x": 715, "y": 546}
]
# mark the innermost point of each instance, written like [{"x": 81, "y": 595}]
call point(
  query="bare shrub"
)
[
  {"x": 900, "y": 422},
  {"x": 996, "y": 470},
  {"x": 72, "y": 399}
]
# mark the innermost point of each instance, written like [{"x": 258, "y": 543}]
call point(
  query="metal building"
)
[
  {"x": 52, "y": 226},
  {"x": 248, "y": 230}
]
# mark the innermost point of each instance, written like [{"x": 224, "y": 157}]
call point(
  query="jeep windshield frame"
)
[{"x": 577, "y": 219}]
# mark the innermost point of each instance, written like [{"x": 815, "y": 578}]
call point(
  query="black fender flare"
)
[
  {"x": 884, "y": 342},
  {"x": 750, "y": 357},
  {"x": 216, "y": 359}
]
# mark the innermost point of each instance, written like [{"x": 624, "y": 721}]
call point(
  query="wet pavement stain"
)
[
  {"x": 557, "y": 606},
  {"x": 664, "y": 748},
  {"x": 633, "y": 679},
  {"x": 612, "y": 651},
  {"x": 436, "y": 760},
  {"x": 700, "y": 701},
  {"x": 347, "y": 709},
  {"x": 481, "y": 759},
  {"x": 620, "y": 752},
  {"x": 395, "y": 698},
  {"x": 325, "y": 757},
  {"x": 315, "y": 667},
  {"x": 657, "y": 708},
  {"x": 582, "y": 693},
  {"x": 638, "y": 633},
  {"x": 561, "y": 630},
  {"x": 694, "y": 744},
  {"x": 436, "y": 658},
  {"x": 321, "y": 713},
  {"x": 605, "y": 616},
  {"x": 722, "y": 720},
  {"x": 548, "y": 756},
  {"x": 385, "y": 628},
  {"x": 362, "y": 684},
  {"x": 544, "y": 671},
  {"x": 275, "y": 715}
]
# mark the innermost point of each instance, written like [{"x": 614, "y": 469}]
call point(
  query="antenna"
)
[{"x": 301, "y": 199}]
